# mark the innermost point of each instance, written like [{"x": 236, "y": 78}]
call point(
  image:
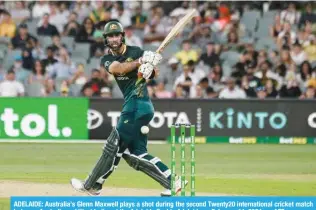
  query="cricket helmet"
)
[{"x": 113, "y": 27}]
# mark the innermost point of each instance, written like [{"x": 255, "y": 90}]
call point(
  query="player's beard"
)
[{"x": 116, "y": 46}]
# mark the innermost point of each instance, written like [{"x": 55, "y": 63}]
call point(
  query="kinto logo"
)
[
  {"x": 248, "y": 120},
  {"x": 95, "y": 119}
]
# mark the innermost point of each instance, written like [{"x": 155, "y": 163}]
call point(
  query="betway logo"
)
[{"x": 32, "y": 124}]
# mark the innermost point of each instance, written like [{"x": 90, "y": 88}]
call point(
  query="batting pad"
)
[
  {"x": 106, "y": 163},
  {"x": 150, "y": 166}
]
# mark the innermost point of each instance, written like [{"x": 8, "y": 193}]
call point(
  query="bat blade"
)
[{"x": 176, "y": 30}]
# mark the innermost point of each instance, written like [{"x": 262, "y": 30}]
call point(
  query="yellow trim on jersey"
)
[{"x": 123, "y": 52}]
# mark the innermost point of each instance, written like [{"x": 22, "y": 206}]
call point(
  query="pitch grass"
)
[{"x": 221, "y": 168}]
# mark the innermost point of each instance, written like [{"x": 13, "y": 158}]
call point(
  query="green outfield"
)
[{"x": 221, "y": 168}]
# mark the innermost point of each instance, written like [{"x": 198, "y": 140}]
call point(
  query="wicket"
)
[{"x": 182, "y": 160}]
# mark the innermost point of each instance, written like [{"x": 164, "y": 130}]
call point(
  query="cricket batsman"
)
[{"x": 131, "y": 67}]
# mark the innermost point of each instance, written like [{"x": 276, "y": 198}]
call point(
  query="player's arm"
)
[{"x": 117, "y": 68}]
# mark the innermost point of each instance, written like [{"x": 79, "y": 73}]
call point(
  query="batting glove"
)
[
  {"x": 146, "y": 70},
  {"x": 151, "y": 57}
]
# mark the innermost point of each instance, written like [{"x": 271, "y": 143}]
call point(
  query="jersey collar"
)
[{"x": 124, "y": 50}]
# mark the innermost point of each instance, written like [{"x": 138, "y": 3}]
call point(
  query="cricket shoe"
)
[
  {"x": 167, "y": 192},
  {"x": 79, "y": 186}
]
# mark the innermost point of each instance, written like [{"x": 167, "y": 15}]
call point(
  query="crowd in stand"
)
[{"x": 229, "y": 50}]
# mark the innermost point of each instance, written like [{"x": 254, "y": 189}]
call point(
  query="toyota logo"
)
[{"x": 95, "y": 119}]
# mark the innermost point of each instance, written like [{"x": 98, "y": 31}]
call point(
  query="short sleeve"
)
[
  {"x": 20, "y": 88},
  {"x": 140, "y": 52},
  {"x": 106, "y": 63}
]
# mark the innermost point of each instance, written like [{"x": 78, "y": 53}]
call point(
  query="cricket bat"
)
[{"x": 175, "y": 31}]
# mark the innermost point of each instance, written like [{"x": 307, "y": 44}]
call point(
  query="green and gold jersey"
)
[{"x": 129, "y": 83}]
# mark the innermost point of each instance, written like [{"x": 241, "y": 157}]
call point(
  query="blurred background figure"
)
[
  {"x": 232, "y": 91},
  {"x": 256, "y": 45},
  {"x": 10, "y": 87}
]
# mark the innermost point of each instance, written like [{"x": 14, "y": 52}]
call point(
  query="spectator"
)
[
  {"x": 50, "y": 88},
  {"x": 307, "y": 16},
  {"x": 64, "y": 89},
  {"x": 290, "y": 89},
  {"x": 57, "y": 44},
  {"x": 306, "y": 36},
  {"x": 87, "y": 91},
  {"x": 97, "y": 48},
  {"x": 100, "y": 13},
  {"x": 250, "y": 49},
  {"x": 290, "y": 15},
  {"x": 56, "y": 18},
  {"x": 106, "y": 92},
  {"x": 216, "y": 78},
  {"x": 309, "y": 94},
  {"x": 38, "y": 73},
  {"x": 72, "y": 26},
  {"x": 37, "y": 51},
  {"x": 123, "y": 17},
  {"x": 83, "y": 9},
  {"x": 240, "y": 68},
  {"x": 265, "y": 73},
  {"x": 231, "y": 91},
  {"x": 274, "y": 57},
  {"x": 304, "y": 75},
  {"x": 262, "y": 57},
  {"x": 20, "y": 13},
  {"x": 27, "y": 59},
  {"x": 286, "y": 59},
  {"x": 139, "y": 20},
  {"x": 86, "y": 32},
  {"x": 297, "y": 54},
  {"x": 277, "y": 27},
  {"x": 287, "y": 36},
  {"x": 233, "y": 43},
  {"x": 196, "y": 72},
  {"x": 311, "y": 51},
  {"x": 63, "y": 10},
  {"x": 204, "y": 84},
  {"x": 186, "y": 53},
  {"x": 185, "y": 81},
  {"x": 250, "y": 91},
  {"x": 96, "y": 82},
  {"x": 198, "y": 92},
  {"x": 253, "y": 81},
  {"x": 64, "y": 68},
  {"x": 132, "y": 39},
  {"x": 21, "y": 74},
  {"x": 40, "y": 9},
  {"x": 45, "y": 28},
  {"x": 161, "y": 92},
  {"x": 210, "y": 57},
  {"x": 201, "y": 35},
  {"x": 261, "y": 92},
  {"x": 179, "y": 92},
  {"x": 180, "y": 11},
  {"x": 154, "y": 32},
  {"x": 172, "y": 72},
  {"x": 210, "y": 93},
  {"x": 270, "y": 89},
  {"x": 49, "y": 60},
  {"x": 7, "y": 26},
  {"x": 10, "y": 87},
  {"x": 79, "y": 78},
  {"x": 23, "y": 38}
]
